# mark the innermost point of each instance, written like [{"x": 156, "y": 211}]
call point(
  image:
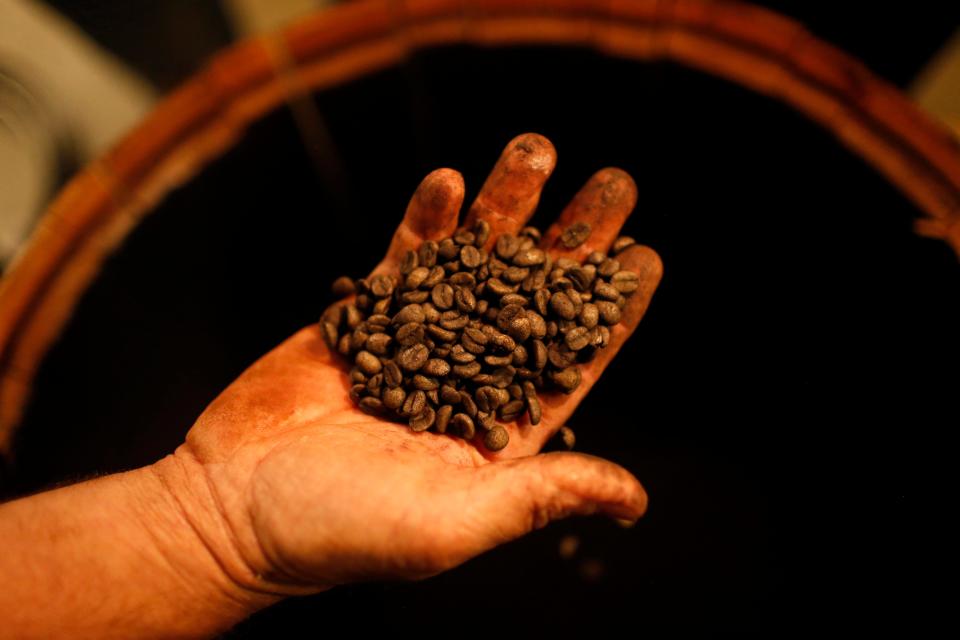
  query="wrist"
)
[{"x": 181, "y": 514}]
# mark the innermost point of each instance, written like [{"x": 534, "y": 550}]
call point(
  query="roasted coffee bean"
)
[
  {"x": 453, "y": 321},
  {"x": 561, "y": 305},
  {"x": 371, "y": 405},
  {"x": 482, "y": 379},
  {"x": 352, "y": 316},
  {"x": 416, "y": 277},
  {"x": 466, "y": 370},
  {"x": 330, "y": 334},
  {"x": 529, "y": 257},
  {"x": 343, "y": 287},
  {"x": 357, "y": 376},
  {"x": 531, "y": 232},
  {"x": 482, "y": 306},
  {"x": 357, "y": 391},
  {"x": 498, "y": 361},
  {"x": 393, "y": 398},
  {"x": 512, "y": 409},
  {"x": 538, "y": 351},
  {"x": 447, "y": 249},
  {"x": 414, "y": 403},
  {"x": 374, "y": 384},
  {"x": 433, "y": 278},
  {"x": 460, "y": 355},
  {"x": 470, "y": 257},
  {"x": 410, "y": 262},
  {"x": 449, "y": 394},
  {"x": 508, "y": 314},
  {"x": 596, "y": 257},
  {"x": 534, "y": 410},
  {"x": 430, "y": 313},
  {"x": 463, "y": 279},
  {"x": 519, "y": 328},
  {"x": 589, "y": 315},
  {"x": 462, "y": 237},
  {"x": 538, "y": 326},
  {"x": 605, "y": 291},
  {"x": 541, "y": 300},
  {"x": 515, "y": 275},
  {"x": 381, "y": 286},
  {"x": 463, "y": 425},
  {"x": 414, "y": 357},
  {"x": 519, "y": 355},
  {"x": 363, "y": 301},
  {"x": 368, "y": 363},
  {"x": 496, "y": 438},
  {"x": 625, "y": 281},
  {"x": 441, "y": 334},
  {"x": 377, "y": 323},
  {"x": 410, "y": 313},
  {"x": 392, "y": 375},
  {"x": 604, "y": 336},
  {"x": 608, "y": 267},
  {"x": 486, "y": 420},
  {"x": 577, "y": 338},
  {"x": 471, "y": 346},
  {"x": 507, "y": 246},
  {"x": 414, "y": 297},
  {"x": 443, "y": 418},
  {"x": 499, "y": 288},
  {"x": 382, "y": 305},
  {"x": 502, "y": 342},
  {"x": 609, "y": 312},
  {"x": 513, "y": 298},
  {"x": 466, "y": 302},
  {"x": 468, "y": 404},
  {"x": 436, "y": 367},
  {"x": 423, "y": 420},
  {"x": 482, "y": 232},
  {"x": 503, "y": 376},
  {"x": 424, "y": 383},
  {"x": 575, "y": 235},
  {"x": 487, "y": 399},
  {"x": 410, "y": 334},
  {"x": 581, "y": 278},
  {"x": 560, "y": 355},
  {"x": 621, "y": 243},
  {"x": 567, "y": 379},
  {"x": 428, "y": 253}
]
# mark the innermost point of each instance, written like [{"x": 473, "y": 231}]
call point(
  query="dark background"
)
[{"x": 782, "y": 401}]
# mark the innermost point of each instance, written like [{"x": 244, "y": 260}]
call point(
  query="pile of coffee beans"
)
[{"x": 463, "y": 338}]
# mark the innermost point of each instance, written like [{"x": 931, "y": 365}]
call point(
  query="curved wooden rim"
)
[{"x": 744, "y": 44}]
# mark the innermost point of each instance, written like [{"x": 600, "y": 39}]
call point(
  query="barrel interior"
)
[{"x": 798, "y": 313}]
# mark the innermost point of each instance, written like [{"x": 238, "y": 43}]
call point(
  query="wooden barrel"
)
[{"x": 753, "y": 47}]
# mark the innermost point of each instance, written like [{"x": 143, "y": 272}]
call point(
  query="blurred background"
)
[{"x": 795, "y": 375}]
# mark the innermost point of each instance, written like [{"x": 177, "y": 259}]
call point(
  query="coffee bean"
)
[
  {"x": 605, "y": 291},
  {"x": 436, "y": 367},
  {"x": 463, "y": 279},
  {"x": 519, "y": 328},
  {"x": 392, "y": 375},
  {"x": 468, "y": 403},
  {"x": 471, "y": 346},
  {"x": 625, "y": 281},
  {"x": 466, "y": 370},
  {"x": 589, "y": 315},
  {"x": 498, "y": 361},
  {"x": 382, "y": 305},
  {"x": 515, "y": 275},
  {"x": 567, "y": 379},
  {"x": 538, "y": 352},
  {"x": 581, "y": 278},
  {"x": 430, "y": 313},
  {"x": 410, "y": 313},
  {"x": 441, "y": 334},
  {"x": 482, "y": 232},
  {"x": 466, "y": 302},
  {"x": 529, "y": 257},
  {"x": 519, "y": 355},
  {"x": 609, "y": 312},
  {"x": 487, "y": 399},
  {"x": 433, "y": 278},
  {"x": 352, "y": 316},
  {"x": 561, "y": 305},
  {"x": 413, "y": 357},
  {"x": 499, "y": 288},
  {"x": 507, "y": 246},
  {"x": 371, "y": 405},
  {"x": 531, "y": 233},
  {"x": 377, "y": 323},
  {"x": 424, "y": 383},
  {"x": 463, "y": 237},
  {"x": 460, "y": 355},
  {"x": 596, "y": 257},
  {"x": 381, "y": 286},
  {"x": 560, "y": 355},
  {"x": 577, "y": 338},
  {"x": 329, "y": 331},
  {"x": 575, "y": 235},
  {"x": 374, "y": 384},
  {"x": 393, "y": 398},
  {"x": 449, "y": 394},
  {"x": 538, "y": 326},
  {"x": 368, "y": 363},
  {"x": 443, "y": 418},
  {"x": 621, "y": 243},
  {"x": 608, "y": 267},
  {"x": 470, "y": 257},
  {"x": 511, "y": 410},
  {"x": 416, "y": 277},
  {"x": 502, "y": 342},
  {"x": 453, "y": 321},
  {"x": 423, "y": 420},
  {"x": 343, "y": 287},
  {"x": 503, "y": 376},
  {"x": 447, "y": 249},
  {"x": 410, "y": 262},
  {"x": 463, "y": 425},
  {"x": 534, "y": 410},
  {"x": 414, "y": 403},
  {"x": 482, "y": 379},
  {"x": 428, "y": 253},
  {"x": 357, "y": 391}
]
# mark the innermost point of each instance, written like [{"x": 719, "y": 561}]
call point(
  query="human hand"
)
[{"x": 294, "y": 489}]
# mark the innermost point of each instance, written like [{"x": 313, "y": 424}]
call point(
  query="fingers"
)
[
  {"x": 512, "y": 190},
  {"x": 557, "y": 407},
  {"x": 598, "y": 211},
  {"x": 515, "y": 497},
  {"x": 431, "y": 214}
]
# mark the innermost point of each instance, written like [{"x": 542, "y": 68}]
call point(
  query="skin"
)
[{"x": 284, "y": 487}]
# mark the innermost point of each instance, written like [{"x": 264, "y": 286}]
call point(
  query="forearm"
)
[{"x": 113, "y": 557}]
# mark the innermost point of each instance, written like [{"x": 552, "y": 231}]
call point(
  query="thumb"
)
[{"x": 524, "y": 494}]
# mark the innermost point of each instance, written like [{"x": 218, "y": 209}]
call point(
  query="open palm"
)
[{"x": 312, "y": 492}]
